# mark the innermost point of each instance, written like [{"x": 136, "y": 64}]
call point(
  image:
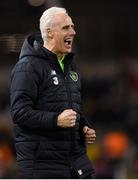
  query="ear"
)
[{"x": 50, "y": 33}]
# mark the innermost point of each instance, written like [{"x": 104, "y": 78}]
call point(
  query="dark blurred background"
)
[{"x": 107, "y": 55}]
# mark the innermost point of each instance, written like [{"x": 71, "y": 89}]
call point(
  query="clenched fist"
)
[
  {"x": 67, "y": 118},
  {"x": 90, "y": 135}
]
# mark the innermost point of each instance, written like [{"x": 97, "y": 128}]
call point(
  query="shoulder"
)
[{"x": 29, "y": 64}]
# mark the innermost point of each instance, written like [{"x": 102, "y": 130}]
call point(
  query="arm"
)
[
  {"x": 84, "y": 121},
  {"x": 24, "y": 90}
]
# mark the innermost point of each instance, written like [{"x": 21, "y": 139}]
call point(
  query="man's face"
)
[{"x": 63, "y": 34}]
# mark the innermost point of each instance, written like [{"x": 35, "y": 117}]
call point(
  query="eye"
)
[
  {"x": 73, "y": 27},
  {"x": 69, "y": 27},
  {"x": 66, "y": 27}
]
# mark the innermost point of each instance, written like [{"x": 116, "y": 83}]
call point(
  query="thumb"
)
[{"x": 85, "y": 128}]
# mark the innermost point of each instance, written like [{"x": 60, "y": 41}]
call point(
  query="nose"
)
[{"x": 73, "y": 32}]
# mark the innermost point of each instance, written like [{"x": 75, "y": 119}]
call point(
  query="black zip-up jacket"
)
[{"x": 40, "y": 91}]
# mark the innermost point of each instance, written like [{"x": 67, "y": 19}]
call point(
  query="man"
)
[{"x": 50, "y": 128}]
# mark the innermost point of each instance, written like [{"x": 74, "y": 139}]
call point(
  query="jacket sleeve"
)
[
  {"x": 84, "y": 121},
  {"x": 24, "y": 93}
]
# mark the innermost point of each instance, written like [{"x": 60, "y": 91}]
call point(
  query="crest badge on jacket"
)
[{"x": 74, "y": 75}]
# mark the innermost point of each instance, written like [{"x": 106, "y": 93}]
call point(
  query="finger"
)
[
  {"x": 71, "y": 111},
  {"x": 73, "y": 116},
  {"x": 90, "y": 135},
  {"x": 85, "y": 129},
  {"x": 72, "y": 124},
  {"x": 68, "y": 112},
  {"x": 89, "y": 142},
  {"x": 91, "y": 131},
  {"x": 70, "y": 118},
  {"x": 90, "y": 139}
]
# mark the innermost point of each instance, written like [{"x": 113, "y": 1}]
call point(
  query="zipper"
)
[
  {"x": 71, "y": 129},
  {"x": 68, "y": 93}
]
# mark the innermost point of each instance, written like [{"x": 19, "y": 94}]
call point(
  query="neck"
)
[{"x": 50, "y": 47}]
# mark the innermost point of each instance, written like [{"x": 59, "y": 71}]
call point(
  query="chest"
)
[{"x": 56, "y": 81}]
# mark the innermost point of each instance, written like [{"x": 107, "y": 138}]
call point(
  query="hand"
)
[
  {"x": 67, "y": 118},
  {"x": 90, "y": 135}
]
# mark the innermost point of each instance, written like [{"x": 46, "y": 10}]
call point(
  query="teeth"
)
[{"x": 68, "y": 41}]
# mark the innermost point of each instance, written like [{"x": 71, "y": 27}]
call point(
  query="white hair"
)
[{"x": 47, "y": 19}]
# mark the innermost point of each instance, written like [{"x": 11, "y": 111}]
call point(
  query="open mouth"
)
[{"x": 68, "y": 42}]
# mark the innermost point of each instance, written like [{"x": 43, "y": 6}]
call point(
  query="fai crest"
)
[{"x": 74, "y": 75}]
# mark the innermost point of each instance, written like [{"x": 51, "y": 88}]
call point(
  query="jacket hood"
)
[{"x": 33, "y": 46}]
